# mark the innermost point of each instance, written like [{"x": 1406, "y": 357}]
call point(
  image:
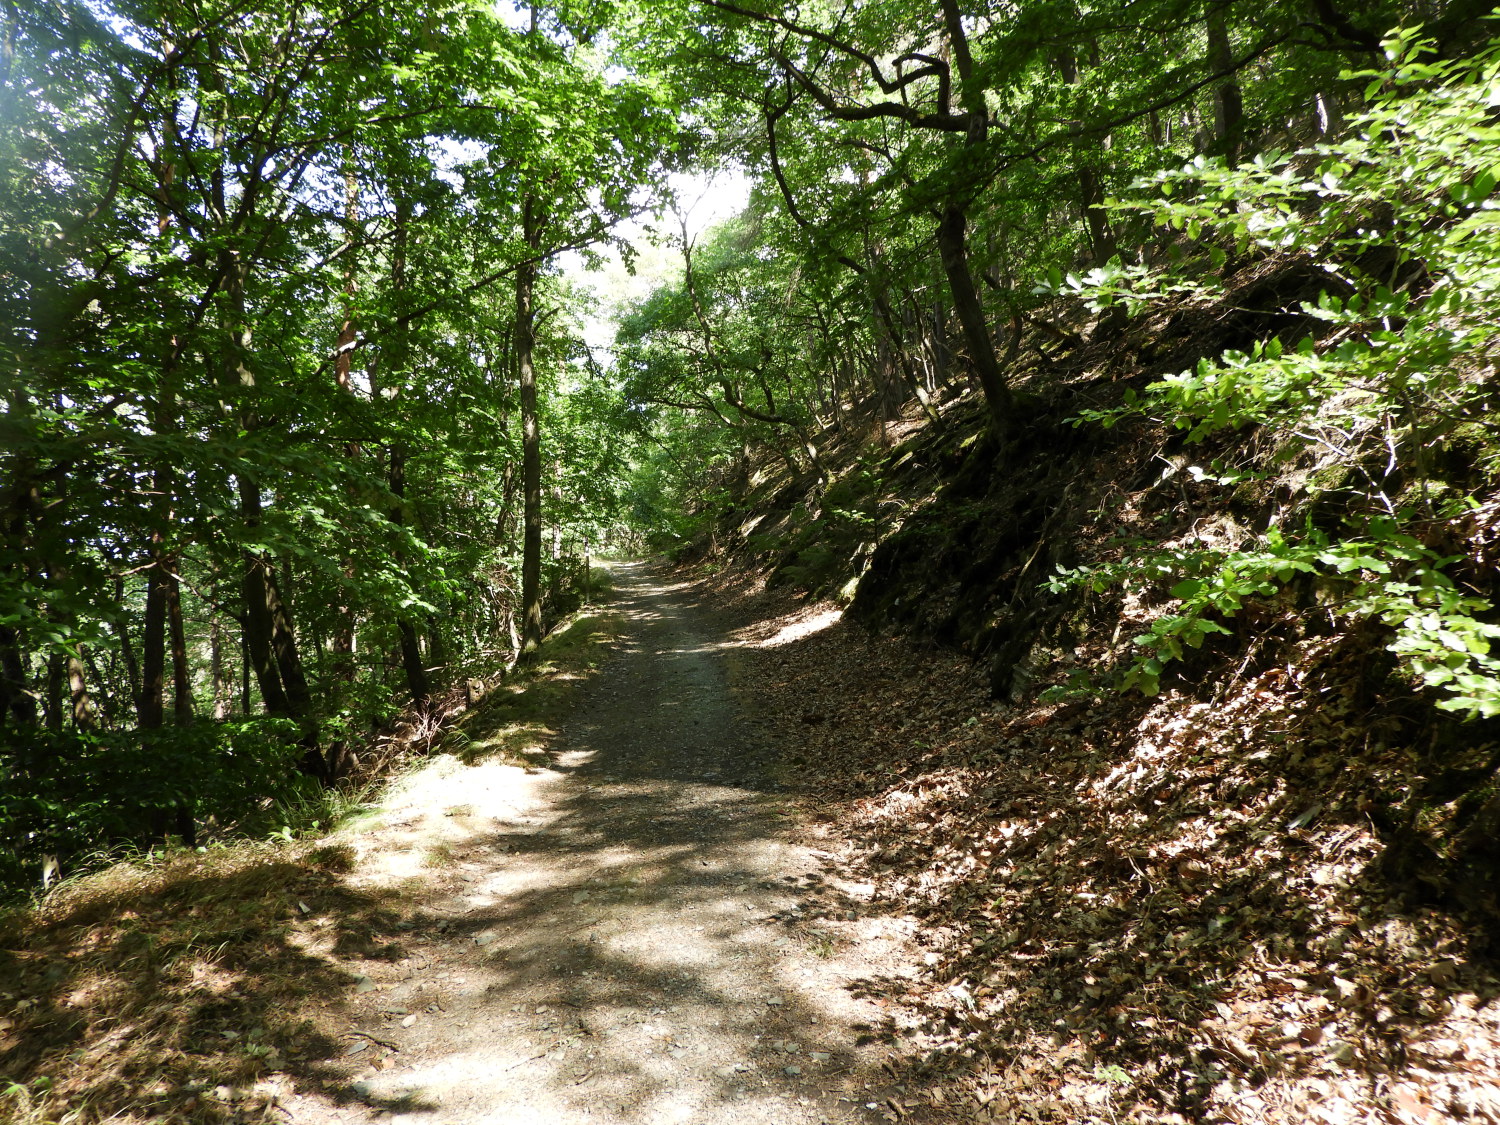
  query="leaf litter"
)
[{"x": 1169, "y": 910}]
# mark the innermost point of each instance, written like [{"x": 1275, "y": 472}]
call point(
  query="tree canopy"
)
[{"x": 299, "y": 427}]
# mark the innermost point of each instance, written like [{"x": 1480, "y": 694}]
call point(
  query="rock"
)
[{"x": 364, "y": 984}]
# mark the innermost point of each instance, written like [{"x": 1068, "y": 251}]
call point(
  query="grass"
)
[
  {"x": 198, "y": 986},
  {"x": 518, "y": 720}
]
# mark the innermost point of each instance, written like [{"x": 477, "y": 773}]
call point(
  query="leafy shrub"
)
[
  {"x": 1403, "y": 221},
  {"x": 69, "y": 793}
]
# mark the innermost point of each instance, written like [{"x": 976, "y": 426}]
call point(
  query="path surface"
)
[{"x": 637, "y": 934}]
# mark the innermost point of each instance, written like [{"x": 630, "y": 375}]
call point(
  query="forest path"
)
[{"x": 638, "y": 931}]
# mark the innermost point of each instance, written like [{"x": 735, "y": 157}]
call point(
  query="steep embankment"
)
[{"x": 1265, "y": 893}]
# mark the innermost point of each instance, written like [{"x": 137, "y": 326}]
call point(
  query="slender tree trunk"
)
[
  {"x": 151, "y": 705},
  {"x": 182, "y": 674},
  {"x": 244, "y": 673},
  {"x": 1102, "y": 245},
  {"x": 216, "y": 669},
  {"x": 284, "y": 643},
  {"x": 417, "y": 683},
  {"x": 531, "y": 447},
  {"x": 270, "y": 642},
  {"x": 127, "y": 649},
  {"x": 18, "y": 698},
  {"x": 15, "y": 691},
  {"x": 970, "y": 312},
  {"x": 257, "y": 592},
  {"x": 343, "y": 634},
  {"x": 411, "y": 650},
  {"x": 1229, "y": 100},
  {"x": 52, "y": 697},
  {"x": 85, "y": 717}
]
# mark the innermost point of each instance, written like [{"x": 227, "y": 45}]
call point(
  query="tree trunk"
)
[
  {"x": 270, "y": 643},
  {"x": 85, "y": 717},
  {"x": 1229, "y": 100},
  {"x": 52, "y": 705},
  {"x": 970, "y": 312},
  {"x": 411, "y": 650},
  {"x": 150, "y": 707},
  {"x": 182, "y": 676},
  {"x": 531, "y": 448},
  {"x": 343, "y": 633},
  {"x": 19, "y": 702},
  {"x": 216, "y": 669}
]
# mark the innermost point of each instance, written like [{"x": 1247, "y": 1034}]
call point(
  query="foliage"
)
[
  {"x": 1401, "y": 220},
  {"x": 64, "y": 794},
  {"x": 259, "y": 434}
]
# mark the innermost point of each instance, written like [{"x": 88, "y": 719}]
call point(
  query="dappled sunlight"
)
[
  {"x": 1139, "y": 906},
  {"x": 795, "y": 630},
  {"x": 619, "y": 924},
  {"x": 620, "y": 930}
]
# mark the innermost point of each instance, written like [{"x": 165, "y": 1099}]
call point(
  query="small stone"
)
[
  {"x": 775, "y": 1002},
  {"x": 408, "y": 1021},
  {"x": 485, "y": 938},
  {"x": 819, "y": 1056},
  {"x": 793, "y": 1071},
  {"x": 364, "y": 984}
]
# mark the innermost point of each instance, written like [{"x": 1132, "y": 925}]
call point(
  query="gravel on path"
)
[{"x": 641, "y": 932}]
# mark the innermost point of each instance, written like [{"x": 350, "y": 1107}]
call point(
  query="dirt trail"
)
[{"x": 636, "y": 933}]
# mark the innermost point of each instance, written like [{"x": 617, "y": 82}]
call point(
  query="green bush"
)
[
  {"x": 68, "y": 794},
  {"x": 1402, "y": 219}
]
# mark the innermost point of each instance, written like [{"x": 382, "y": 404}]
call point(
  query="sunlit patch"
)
[{"x": 803, "y": 626}]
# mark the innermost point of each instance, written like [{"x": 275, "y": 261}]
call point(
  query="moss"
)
[{"x": 1331, "y": 478}]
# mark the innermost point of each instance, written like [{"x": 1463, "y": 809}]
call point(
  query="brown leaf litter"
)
[{"x": 1164, "y": 910}]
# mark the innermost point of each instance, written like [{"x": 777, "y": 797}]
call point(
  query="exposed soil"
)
[{"x": 634, "y": 931}]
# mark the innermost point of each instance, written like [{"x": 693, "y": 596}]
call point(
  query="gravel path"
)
[{"x": 640, "y": 933}]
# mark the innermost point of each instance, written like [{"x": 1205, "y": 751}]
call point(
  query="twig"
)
[
  {"x": 523, "y": 1062},
  {"x": 366, "y": 1035}
]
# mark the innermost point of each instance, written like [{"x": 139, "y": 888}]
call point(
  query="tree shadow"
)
[{"x": 174, "y": 989}]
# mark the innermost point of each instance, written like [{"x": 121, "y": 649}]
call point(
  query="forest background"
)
[{"x": 301, "y": 436}]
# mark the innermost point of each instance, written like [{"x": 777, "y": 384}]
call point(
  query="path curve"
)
[{"x": 638, "y": 934}]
